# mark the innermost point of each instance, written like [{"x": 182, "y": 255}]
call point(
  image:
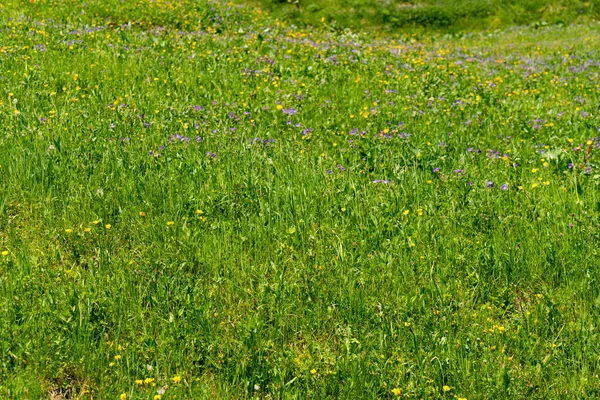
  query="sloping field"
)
[{"x": 198, "y": 200}]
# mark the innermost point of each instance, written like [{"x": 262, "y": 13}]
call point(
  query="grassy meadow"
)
[{"x": 201, "y": 200}]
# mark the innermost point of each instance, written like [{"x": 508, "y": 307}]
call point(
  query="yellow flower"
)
[
  {"x": 170, "y": 223},
  {"x": 88, "y": 230},
  {"x": 279, "y": 107},
  {"x": 117, "y": 357},
  {"x": 176, "y": 379},
  {"x": 446, "y": 388},
  {"x": 68, "y": 230},
  {"x": 343, "y": 209},
  {"x": 112, "y": 364},
  {"x": 420, "y": 212},
  {"x": 157, "y": 397},
  {"x": 406, "y": 212},
  {"x": 142, "y": 214},
  {"x": 148, "y": 380},
  {"x": 108, "y": 226},
  {"x": 96, "y": 222},
  {"x": 4, "y": 253},
  {"x": 397, "y": 391},
  {"x": 139, "y": 381},
  {"x": 313, "y": 371},
  {"x": 199, "y": 212},
  {"x": 123, "y": 396}
]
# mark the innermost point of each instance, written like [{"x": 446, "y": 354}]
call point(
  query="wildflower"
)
[
  {"x": 112, "y": 364},
  {"x": 504, "y": 187},
  {"x": 157, "y": 397},
  {"x": 490, "y": 184},
  {"x": 446, "y": 388},
  {"x": 176, "y": 379},
  {"x": 170, "y": 223},
  {"x": 123, "y": 396},
  {"x": 142, "y": 214},
  {"x": 406, "y": 212},
  {"x": 313, "y": 371},
  {"x": 108, "y": 226},
  {"x": 139, "y": 382},
  {"x": 88, "y": 230},
  {"x": 148, "y": 380},
  {"x": 96, "y": 222},
  {"x": 420, "y": 212},
  {"x": 343, "y": 209},
  {"x": 68, "y": 230},
  {"x": 117, "y": 357},
  {"x": 397, "y": 391},
  {"x": 199, "y": 212}
]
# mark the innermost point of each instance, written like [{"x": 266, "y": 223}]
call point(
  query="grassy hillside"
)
[
  {"x": 199, "y": 200},
  {"x": 446, "y": 15}
]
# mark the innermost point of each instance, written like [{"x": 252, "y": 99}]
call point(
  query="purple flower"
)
[
  {"x": 570, "y": 165},
  {"x": 329, "y": 171},
  {"x": 459, "y": 171},
  {"x": 490, "y": 184},
  {"x": 436, "y": 170},
  {"x": 504, "y": 187},
  {"x": 339, "y": 166}
]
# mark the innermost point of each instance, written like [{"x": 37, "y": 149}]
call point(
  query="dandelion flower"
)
[
  {"x": 199, "y": 212},
  {"x": 397, "y": 391},
  {"x": 68, "y": 230},
  {"x": 176, "y": 379},
  {"x": 446, "y": 388},
  {"x": 170, "y": 223},
  {"x": 96, "y": 222},
  {"x": 123, "y": 396},
  {"x": 313, "y": 371},
  {"x": 4, "y": 253},
  {"x": 108, "y": 226}
]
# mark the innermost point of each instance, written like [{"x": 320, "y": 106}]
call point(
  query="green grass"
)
[
  {"x": 284, "y": 267},
  {"x": 444, "y": 15}
]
